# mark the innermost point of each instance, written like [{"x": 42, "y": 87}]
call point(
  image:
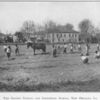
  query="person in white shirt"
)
[
  {"x": 71, "y": 48},
  {"x": 8, "y": 51},
  {"x": 84, "y": 59},
  {"x": 5, "y": 48},
  {"x": 79, "y": 48},
  {"x": 97, "y": 54},
  {"x": 97, "y": 47}
]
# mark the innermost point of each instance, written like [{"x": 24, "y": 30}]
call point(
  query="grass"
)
[
  {"x": 45, "y": 73},
  {"x": 58, "y": 86}
]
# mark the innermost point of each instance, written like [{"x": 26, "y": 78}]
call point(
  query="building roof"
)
[
  {"x": 56, "y": 31},
  {"x": 64, "y": 31}
]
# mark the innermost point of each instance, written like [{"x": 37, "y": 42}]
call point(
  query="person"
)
[
  {"x": 97, "y": 54},
  {"x": 97, "y": 47},
  {"x": 71, "y": 48},
  {"x": 8, "y": 51},
  {"x": 5, "y": 48},
  {"x": 79, "y": 48},
  {"x": 84, "y": 58},
  {"x": 54, "y": 51},
  {"x": 16, "y": 50},
  {"x": 65, "y": 48},
  {"x": 58, "y": 49},
  {"x": 87, "y": 49}
]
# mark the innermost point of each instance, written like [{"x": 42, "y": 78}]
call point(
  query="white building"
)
[{"x": 63, "y": 37}]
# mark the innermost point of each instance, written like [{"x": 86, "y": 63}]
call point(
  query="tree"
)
[
  {"x": 69, "y": 27},
  {"x": 39, "y": 28},
  {"x": 86, "y": 28},
  {"x": 20, "y": 36},
  {"x": 28, "y": 28},
  {"x": 50, "y": 26}
]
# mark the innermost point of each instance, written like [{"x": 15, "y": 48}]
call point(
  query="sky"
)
[{"x": 13, "y": 14}]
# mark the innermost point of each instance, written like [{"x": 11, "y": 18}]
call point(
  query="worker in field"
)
[
  {"x": 62, "y": 48},
  {"x": 5, "y": 48},
  {"x": 87, "y": 49},
  {"x": 58, "y": 49},
  {"x": 54, "y": 51},
  {"x": 98, "y": 48},
  {"x": 85, "y": 59},
  {"x": 97, "y": 54},
  {"x": 16, "y": 50},
  {"x": 8, "y": 52},
  {"x": 65, "y": 48},
  {"x": 71, "y": 48},
  {"x": 79, "y": 48}
]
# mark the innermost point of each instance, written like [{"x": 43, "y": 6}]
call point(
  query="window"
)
[
  {"x": 60, "y": 35},
  {"x": 72, "y": 35},
  {"x": 64, "y": 35},
  {"x": 58, "y": 39},
  {"x": 57, "y": 35}
]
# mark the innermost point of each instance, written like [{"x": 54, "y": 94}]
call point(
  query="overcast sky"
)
[{"x": 13, "y": 14}]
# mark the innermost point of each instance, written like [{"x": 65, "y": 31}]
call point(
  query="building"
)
[
  {"x": 2, "y": 37},
  {"x": 15, "y": 38},
  {"x": 57, "y": 37},
  {"x": 63, "y": 37},
  {"x": 38, "y": 35}
]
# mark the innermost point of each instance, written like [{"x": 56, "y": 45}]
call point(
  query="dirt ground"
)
[{"x": 28, "y": 72}]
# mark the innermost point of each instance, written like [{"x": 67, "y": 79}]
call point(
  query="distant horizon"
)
[{"x": 13, "y": 14}]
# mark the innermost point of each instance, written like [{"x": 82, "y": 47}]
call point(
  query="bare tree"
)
[{"x": 28, "y": 28}]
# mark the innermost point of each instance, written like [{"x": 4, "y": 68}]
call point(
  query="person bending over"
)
[{"x": 84, "y": 59}]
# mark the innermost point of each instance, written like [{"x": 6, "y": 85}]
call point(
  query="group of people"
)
[
  {"x": 64, "y": 49},
  {"x": 84, "y": 56},
  {"x": 8, "y": 50}
]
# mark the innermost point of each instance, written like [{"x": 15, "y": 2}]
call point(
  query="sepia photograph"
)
[{"x": 50, "y": 47}]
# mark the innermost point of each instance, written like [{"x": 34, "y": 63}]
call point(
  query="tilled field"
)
[{"x": 66, "y": 72}]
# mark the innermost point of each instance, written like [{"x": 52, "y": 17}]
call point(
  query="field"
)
[{"x": 28, "y": 72}]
